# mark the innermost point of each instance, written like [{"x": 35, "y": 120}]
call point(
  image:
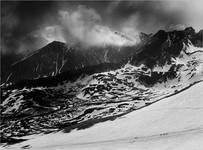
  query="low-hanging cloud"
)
[
  {"x": 51, "y": 33},
  {"x": 27, "y": 27},
  {"x": 85, "y": 25}
]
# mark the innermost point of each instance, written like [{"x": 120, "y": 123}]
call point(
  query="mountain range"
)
[{"x": 62, "y": 87}]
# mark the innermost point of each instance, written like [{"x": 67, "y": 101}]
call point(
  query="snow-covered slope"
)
[{"x": 173, "y": 123}]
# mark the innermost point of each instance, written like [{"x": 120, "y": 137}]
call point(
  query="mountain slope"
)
[
  {"x": 173, "y": 123},
  {"x": 80, "y": 98},
  {"x": 58, "y": 57}
]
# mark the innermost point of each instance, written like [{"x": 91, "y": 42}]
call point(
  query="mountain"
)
[
  {"x": 165, "y": 64},
  {"x": 58, "y": 57},
  {"x": 162, "y": 51},
  {"x": 164, "y": 45}
]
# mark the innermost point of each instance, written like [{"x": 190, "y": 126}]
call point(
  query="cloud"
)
[
  {"x": 189, "y": 10},
  {"x": 9, "y": 21},
  {"x": 51, "y": 33},
  {"x": 85, "y": 25},
  {"x": 19, "y": 20},
  {"x": 151, "y": 16},
  {"x": 27, "y": 26}
]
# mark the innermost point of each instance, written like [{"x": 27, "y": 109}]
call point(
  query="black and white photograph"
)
[{"x": 101, "y": 75}]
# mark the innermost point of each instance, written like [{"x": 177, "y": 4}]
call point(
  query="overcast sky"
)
[{"x": 27, "y": 26}]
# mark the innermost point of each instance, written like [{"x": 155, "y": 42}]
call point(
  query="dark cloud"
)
[
  {"x": 27, "y": 25},
  {"x": 19, "y": 20}
]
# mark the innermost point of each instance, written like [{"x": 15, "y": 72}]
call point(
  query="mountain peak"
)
[
  {"x": 55, "y": 46},
  {"x": 189, "y": 31},
  {"x": 56, "y": 42},
  {"x": 161, "y": 34}
]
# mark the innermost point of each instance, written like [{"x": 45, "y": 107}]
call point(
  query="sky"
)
[{"x": 29, "y": 25}]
